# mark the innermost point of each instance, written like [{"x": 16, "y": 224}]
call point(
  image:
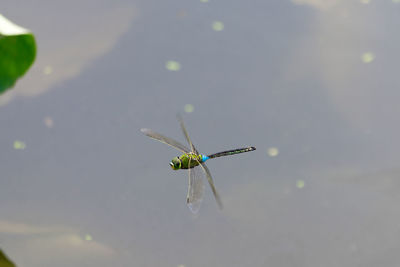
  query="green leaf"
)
[
  {"x": 17, "y": 53},
  {"x": 4, "y": 261}
]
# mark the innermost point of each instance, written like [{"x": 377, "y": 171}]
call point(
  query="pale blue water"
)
[{"x": 315, "y": 84}]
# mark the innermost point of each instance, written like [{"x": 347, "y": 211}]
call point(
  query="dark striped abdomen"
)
[{"x": 232, "y": 152}]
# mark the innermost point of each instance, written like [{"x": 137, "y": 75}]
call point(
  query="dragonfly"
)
[{"x": 194, "y": 162}]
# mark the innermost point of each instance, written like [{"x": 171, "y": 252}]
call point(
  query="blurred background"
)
[{"x": 313, "y": 84}]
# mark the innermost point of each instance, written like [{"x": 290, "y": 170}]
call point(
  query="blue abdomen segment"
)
[{"x": 204, "y": 158}]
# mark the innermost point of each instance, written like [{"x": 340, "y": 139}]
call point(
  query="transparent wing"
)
[
  {"x": 185, "y": 133},
  {"x": 195, "y": 189},
  {"x": 211, "y": 183},
  {"x": 165, "y": 140}
]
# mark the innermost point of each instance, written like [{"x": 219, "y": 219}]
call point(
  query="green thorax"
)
[
  {"x": 190, "y": 157},
  {"x": 186, "y": 161},
  {"x": 191, "y": 160}
]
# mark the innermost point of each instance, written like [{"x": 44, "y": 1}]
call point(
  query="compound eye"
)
[{"x": 178, "y": 164}]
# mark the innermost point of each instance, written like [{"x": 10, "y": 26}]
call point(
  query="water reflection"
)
[
  {"x": 37, "y": 242},
  {"x": 70, "y": 45}
]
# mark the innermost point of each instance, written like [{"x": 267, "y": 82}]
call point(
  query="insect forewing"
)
[
  {"x": 195, "y": 189},
  {"x": 165, "y": 140}
]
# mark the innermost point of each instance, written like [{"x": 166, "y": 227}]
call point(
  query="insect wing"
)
[
  {"x": 211, "y": 183},
  {"x": 185, "y": 133},
  {"x": 165, "y": 140},
  {"x": 195, "y": 189}
]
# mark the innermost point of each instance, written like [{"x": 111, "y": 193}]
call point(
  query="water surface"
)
[{"x": 312, "y": 84}]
